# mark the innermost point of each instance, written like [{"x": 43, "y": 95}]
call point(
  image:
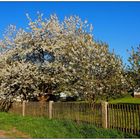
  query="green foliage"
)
[
  {"x": 45, "y": 128},
  {"x": 74, "y": 63}
]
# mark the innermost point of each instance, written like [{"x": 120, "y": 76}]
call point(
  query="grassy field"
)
[
  {"x": 38, "y": 127},
  {"x": 127, "y": 99}
]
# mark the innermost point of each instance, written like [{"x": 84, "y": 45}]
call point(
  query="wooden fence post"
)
[
  {"x": 23, "y": 108},
  {"x": 50, "y": 109},
  {"x": 104, "y": 114}
]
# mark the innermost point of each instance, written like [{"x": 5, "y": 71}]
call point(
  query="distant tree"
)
[
  {"x": 54, "y": 56},
  {"x": 134, "y": 69}
]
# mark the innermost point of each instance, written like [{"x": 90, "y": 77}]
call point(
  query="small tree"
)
[{"x": 56, "y": 57}]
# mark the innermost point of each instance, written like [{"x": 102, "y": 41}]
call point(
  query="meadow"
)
[{"x": 126, "y": 99}]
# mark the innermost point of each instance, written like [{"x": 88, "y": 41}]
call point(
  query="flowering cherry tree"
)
[{"x": 53, "y": 56}]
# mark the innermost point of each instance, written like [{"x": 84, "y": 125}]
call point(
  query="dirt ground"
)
[
  {"x": 14, "y": 133},
  {"x": 2, "y": 134}
]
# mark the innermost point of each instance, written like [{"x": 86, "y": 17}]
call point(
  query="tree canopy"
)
[{"x": 53, "y": 57}]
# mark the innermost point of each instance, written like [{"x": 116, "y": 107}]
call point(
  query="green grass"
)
[
  {"x": 39, "y": 127},
  {"x": 127, "y": 99}
]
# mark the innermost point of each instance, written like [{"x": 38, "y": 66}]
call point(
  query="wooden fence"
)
[
  {"x": 79, "y": 112},
  {"x": 124, "y": 117},
  {"x": 35, "y": 109}
]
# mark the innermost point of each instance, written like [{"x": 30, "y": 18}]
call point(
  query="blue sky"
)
[{"x": 116, "y": 23}]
